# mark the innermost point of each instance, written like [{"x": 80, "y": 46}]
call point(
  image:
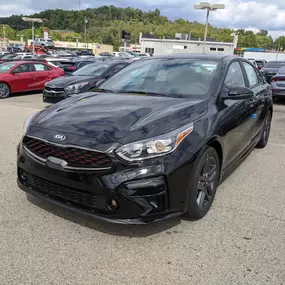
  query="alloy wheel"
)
[
  {"x": 207, "y": 182},
  {"x": 266, "y": 130},
  {"x": 4, "y": 90}
]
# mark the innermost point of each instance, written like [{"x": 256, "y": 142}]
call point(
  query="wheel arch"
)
[
  {"x": 7, "y": 84},
  {"x": 215, "y": 143}
]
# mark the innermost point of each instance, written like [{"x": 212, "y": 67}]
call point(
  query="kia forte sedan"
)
[{"x": 152, "y": 143}]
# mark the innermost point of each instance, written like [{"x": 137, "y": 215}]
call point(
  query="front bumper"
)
[
  {"x": 142, "y": 194},
  {"x": 55, "y": 96}
]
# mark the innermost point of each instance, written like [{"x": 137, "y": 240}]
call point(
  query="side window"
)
[
  {"x": 251, "y": 74},
  {"x": 41, "y": 67},
  {"x": 24, "y": 68},
  {"x": 234, "y": 76},
  {"x": 115, "y": 69}
]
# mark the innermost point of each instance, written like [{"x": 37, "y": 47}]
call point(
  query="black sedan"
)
[
  {"x": 271, "y": 68},
  {"x": 152, "y": 143},
  {"x": 81, "y": 80}
]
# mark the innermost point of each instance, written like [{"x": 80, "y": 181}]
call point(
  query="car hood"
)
[
  {"x": 95, "y": 119},
  {"x": 65, "y": 81}
]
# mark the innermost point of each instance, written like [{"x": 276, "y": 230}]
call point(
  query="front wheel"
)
[
  {"x": 4, "y": 90},
  {"x": 204, "y": 183},
  {"x": 265, "y": 131}
]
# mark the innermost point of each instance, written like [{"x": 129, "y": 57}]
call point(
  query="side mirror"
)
[
  {"x": 15, "y": 71},
  {"x": 238, "y": 93}
]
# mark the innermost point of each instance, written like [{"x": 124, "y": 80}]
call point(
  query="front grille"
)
[
  {"x": 82, "y": 199},
  {"x": 74, "y": 157},
  {"x": 54, "y": 89}
]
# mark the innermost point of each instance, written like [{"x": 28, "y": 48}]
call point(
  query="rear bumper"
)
[{"x": 140, "y": 198}]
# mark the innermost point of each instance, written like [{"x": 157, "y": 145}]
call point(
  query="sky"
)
[{"x": 246, "y": 14}]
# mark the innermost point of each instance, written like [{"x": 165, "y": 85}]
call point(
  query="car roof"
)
[
  {"x": 28, "y": 61},
  {"x": 197, "y": 56}
]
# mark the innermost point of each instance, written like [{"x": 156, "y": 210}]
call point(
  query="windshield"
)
[
  {"x": 91, "y": 70},
  {"x": 5, "y": 67},
  {"x": 274, "y": 64},
  {"x": 166, "y": 77}
]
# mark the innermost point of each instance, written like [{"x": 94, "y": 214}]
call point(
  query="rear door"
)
[
  {"x": 256, "y": 83},
  {"x": 41, "y": 75},
  {"x": 22, "y": 77}
]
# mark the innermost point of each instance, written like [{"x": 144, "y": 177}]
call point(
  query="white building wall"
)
[
  {"x": 163, "y": 46},
  {"x": 269, "y": 56}
]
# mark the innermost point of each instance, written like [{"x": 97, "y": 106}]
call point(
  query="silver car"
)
[
  {"x": 44, "y": 43},
  {"x": 278, "y": 84}
]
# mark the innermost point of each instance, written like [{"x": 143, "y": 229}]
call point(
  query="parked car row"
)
[
  {"x": 152, "y": 142},
  {"x": 274, "y": 72}
]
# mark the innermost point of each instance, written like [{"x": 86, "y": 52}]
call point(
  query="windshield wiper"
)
[
  {"x": 103, "y": 90},
  {"x": 143, "y": 93}
]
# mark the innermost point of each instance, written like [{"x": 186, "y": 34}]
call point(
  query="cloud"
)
[{"x": 246, "y": 14}]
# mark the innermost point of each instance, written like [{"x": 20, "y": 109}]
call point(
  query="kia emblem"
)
[{"x": 59, "y": 137}]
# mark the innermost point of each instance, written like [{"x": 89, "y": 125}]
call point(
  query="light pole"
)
[
  {"x": 209, "y": 7},
  {"x": 85, "y": 31},
  {"x": 33, "y": 20}
]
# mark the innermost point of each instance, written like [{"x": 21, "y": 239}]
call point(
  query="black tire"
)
[
  {"x": 265, "y": 131},
  {"x": 5, "y": 90},
  {"x": 203, "y": 186}
]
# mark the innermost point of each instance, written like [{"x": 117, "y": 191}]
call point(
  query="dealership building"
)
[{"x": 182, "y": 43}]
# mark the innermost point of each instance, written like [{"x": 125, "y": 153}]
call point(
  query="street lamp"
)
[
  {"x": 33, "y": 20},
  {"x": 209, "y": 7}
]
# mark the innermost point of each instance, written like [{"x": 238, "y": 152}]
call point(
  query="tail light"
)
[{"x": 275, "y": 79}]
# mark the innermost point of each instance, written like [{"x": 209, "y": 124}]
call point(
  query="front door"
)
[
  {"x": 235, "y": 116},
  {"x": 22, "y": 77}
]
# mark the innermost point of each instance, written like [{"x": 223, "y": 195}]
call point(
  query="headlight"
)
[
  {"x": 76, "y": 87},
  {"x": 28, "y": 122},
  {"x": 154, "y": 147}
]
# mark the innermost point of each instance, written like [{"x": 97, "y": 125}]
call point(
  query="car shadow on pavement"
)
[
  {"x": 102, "y": 226},
  {"x": 15, "y": 95}
]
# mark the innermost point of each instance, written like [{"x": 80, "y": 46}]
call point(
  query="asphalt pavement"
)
[{"x": 240, "y": 241}]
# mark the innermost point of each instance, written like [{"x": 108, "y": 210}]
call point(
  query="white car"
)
[{"x": 25, "y": 56}]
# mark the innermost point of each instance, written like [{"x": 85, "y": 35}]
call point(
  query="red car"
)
[{"x": 25, "y": 76}]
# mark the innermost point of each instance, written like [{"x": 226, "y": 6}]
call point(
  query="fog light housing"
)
[
  {"x": 112, "y": 205},
  {"x": 22, "y": 176}
]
